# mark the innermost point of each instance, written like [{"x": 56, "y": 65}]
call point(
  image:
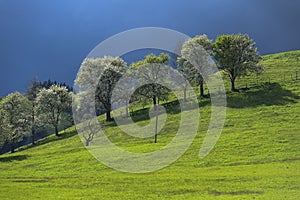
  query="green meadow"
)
[{"x": 256, "y": 157}]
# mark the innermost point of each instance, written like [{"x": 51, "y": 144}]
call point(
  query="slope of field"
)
[{"x": 256, "y": 157}]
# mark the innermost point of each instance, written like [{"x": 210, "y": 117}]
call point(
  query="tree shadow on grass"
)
[
  {"x": 140, "y": 115},
  {"x": 13, "y": 158},
  {"x": 172, "y": 107},
  {"x": 267, "y": 94},
  {"x": 51, "y": 138}
]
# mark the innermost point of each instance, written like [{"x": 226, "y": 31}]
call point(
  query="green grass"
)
[{"x": 256, "y": 157}]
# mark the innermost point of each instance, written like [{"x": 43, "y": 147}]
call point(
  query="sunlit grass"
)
[{"x": 256, "y": 157}]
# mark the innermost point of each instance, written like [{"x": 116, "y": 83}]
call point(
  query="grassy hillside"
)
[{"x": 256, "y": 157}]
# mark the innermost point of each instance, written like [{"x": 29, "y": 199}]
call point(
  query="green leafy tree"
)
[
  {"x": 110, "y": 69},
  {"x": 15, "y": 114},
  {"x": 237, "y": 55},
  {"x": 190, "y": 72},
  {"x": 31, "y": 94},
  {"x": 152, "y": 91},
  {"x": 52, "y": 104},
  {"x": 150, "y": 74}
]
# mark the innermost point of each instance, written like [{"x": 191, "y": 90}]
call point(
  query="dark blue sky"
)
[{"x": 50, "y": 38}]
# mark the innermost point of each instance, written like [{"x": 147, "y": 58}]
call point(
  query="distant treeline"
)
[
  {"x": 24, "y": 118},
  {"x": 47, "y": 84}
]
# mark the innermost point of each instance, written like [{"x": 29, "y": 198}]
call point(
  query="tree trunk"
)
[
  {"x": 201, "y": 90},
  {"x": 233, "y": 85},
  {"x": 156, "y": 118},
  {"x": 87, "y": 142},
  {"x": 56, "y": 130},
  {"x": 154, "y": 100},
  {"x": 32, "y": 136},
  {"x": 108, "y": 117},
  {"x": 12, "y": 148}
]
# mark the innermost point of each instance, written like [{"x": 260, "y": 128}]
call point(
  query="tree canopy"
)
[
  {"x": 15, "y": 118},
  {"x": 52, "y": 103},
  {"x": 236, "y": 55},
  {"x": 102, "y": 74},
  {"x": 191, "y": 72},
  {"x": 31, "y": 94},
  {"x": 152, "y": 91}
]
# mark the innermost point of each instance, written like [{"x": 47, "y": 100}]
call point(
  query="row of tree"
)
[
  {"x": 41, "y": 105},
  {"x": 235, "y": 55},
  {"x": 49, "y": 103}
]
